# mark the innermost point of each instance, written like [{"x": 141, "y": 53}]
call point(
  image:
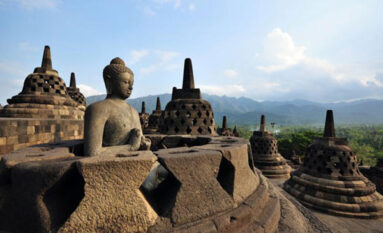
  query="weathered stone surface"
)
[
  {"x": 200, "y": 194},
  {"x": 112, "y": 200},
  {"x": 41, "y": 196},
  {"x": 240, "y": 174}
]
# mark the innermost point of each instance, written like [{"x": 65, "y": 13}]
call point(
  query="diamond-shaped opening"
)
[
  {"x": 64, "y": 197},
  {"x": 188, "y": 114},
  {"x": 194, "y": 107},
  {"x": 207, "y": 113},
  {"x": 160, "y": 189},
  {"x": 178, "y": 113},
  {"x": 200, "y": 130},
  {"x": 208, "y": 129},
  {"x": 204, "y": 107},
  {"x": 205, "y": 121},
  {"x": 176, "y": 129},
  {"x": 183, "y": 106},
  {"x": 194, "y": 122},
  {"x": 225, "y": 176},
  {"x": 188, "y": 130},
  {"x": 199, "y": 113},
  {"x": 183, "y": 121}
]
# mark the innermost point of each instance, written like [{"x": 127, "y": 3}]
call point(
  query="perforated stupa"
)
[
  {"x": 75, "y": 93},
  {"x": 154, "y": 118},
  {"x": 44, "y": 95},
  {"x": 329, "y": 179},
  {"x": 266, "y": 155},
  {"x": 187, "y": 112}
]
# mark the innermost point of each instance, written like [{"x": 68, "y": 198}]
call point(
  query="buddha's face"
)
[{"x": 122, "y": 85}]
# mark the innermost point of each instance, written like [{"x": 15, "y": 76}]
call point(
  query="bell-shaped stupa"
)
[
  {"x": 144, "y": 116},
  {"x": 266, "y": 156},
  {"x": 329, "y": 179},
  {"x": 187, "y": 112},
  {"x": 75, "y": 93},
  {"x": 44, "y": 95},
  {"x": 225, "y": 130},
  {"x": 154, "y": 118}
]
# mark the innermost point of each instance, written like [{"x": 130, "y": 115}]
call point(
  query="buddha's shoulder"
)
[
  {"x": 103, "y": 105},
  {"x": 131, "y": 108}
]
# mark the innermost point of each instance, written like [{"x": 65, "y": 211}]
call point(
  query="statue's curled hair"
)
[{"x": 116, "y": 66}]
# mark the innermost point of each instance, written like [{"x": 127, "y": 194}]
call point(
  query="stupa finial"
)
[
  {"x": 158, "y": 105},
  {"x": 224, "y": 123},
  {"x": 72, "y": 80},
  {"x": 188, "y": 82},
  {"x": 329, "y": 128},
  {"x": 47, "y": 59},
  {"x": 262, "y": 127},
  {"x": 143, "y": 108}
]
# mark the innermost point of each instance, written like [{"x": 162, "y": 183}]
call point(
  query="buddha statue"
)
[{"x": 113, "y": 125}]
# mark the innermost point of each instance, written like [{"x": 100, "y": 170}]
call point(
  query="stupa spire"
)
[
  {"x": 262, "y": 127},
  {"x": 47, "y": 59},
  {"x": 143, "y": 108},
  {"x": 72, "y": 80},
  {"x": 188, "y": 81},
  {"x": 224, "y": 123},
  {"x": 158, "y": 105},
  {"x": 329, "y": 128}
]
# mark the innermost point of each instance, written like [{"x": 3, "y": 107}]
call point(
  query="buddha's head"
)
[{"x": 118, "y": 79}]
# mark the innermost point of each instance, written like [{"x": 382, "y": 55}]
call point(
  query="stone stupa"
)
[
  {"x": 187, "y": 112},
  {"x": 75, "y": 93},
  {"x": 266, "y": 155},
  {"x": 225, "y": 130},
  {"x": 329, "y": 179},
  {"x": 154, "y": 118},
  {"x": 44, "y": 95},
  {"x": 144, "y": 116}
]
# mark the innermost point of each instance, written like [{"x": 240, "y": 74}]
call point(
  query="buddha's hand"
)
[
  {"x": 145, "y": 143},
  {"x": 135, "y": 138}
]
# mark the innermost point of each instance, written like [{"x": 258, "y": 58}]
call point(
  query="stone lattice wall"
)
[{"x": 17, "y": 133}]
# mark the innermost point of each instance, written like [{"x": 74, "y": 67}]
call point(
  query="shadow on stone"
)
[
  {"x": 225, "y": 176},
  {"x": 160, "y": 189},
  {"x": 64, "y": 196}
]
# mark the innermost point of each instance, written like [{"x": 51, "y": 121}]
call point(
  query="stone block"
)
[{"x": 200, "y": 194}]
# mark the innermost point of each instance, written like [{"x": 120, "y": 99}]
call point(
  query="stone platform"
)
[{"x": 186, "y": 184}]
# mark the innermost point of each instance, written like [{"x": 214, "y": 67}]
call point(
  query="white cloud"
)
[
  {"x": 27, "y": 47},
  {"x": 175, "y": 3},
  {"x": 137, "y": 55},
  {"x": 164, "y": 61},
  {"x": 149, "y": 11},
  {"x": 280, "y": 52},
  {"x": 12, "y": 68},
  {"x": 33, "y": 4},
  {"x": 230, "y": 90},
  {"x": 88, "y": 90},
  {"x": 230, "y": 73},
  {"x": 191, "y": 7}
]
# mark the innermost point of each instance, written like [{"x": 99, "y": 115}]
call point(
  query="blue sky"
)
[{"x": 324, "y": 51}]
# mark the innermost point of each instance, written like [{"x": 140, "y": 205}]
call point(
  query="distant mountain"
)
[{"x": 245, "y": 111}]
